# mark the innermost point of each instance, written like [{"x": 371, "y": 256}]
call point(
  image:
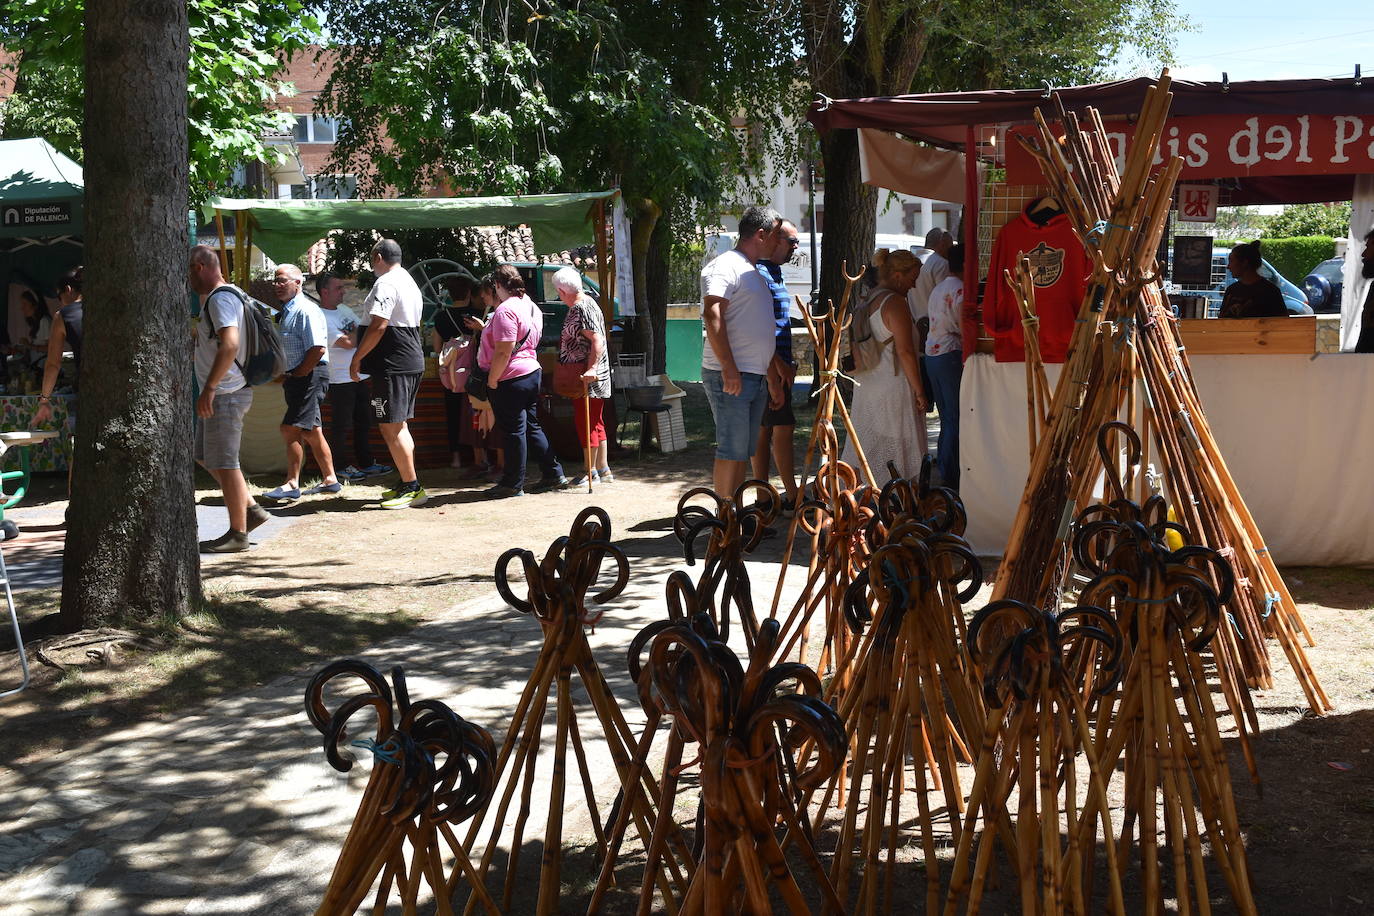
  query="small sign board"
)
[
  {"x": 1192, "y": 266},
  {"x": 1197, "y": 203},
  {"x": 38, "y": 214}
]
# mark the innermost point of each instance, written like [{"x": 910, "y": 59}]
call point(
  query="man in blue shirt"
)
[
  {"x": 779, "y": 424},
  {"x": 305, "y": 340}
]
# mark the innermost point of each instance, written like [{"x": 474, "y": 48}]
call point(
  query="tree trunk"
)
[
  {"x": 850, "y": 215},
  {"x": 131, "y": 553},
  {"x": 656, "y": 284}
]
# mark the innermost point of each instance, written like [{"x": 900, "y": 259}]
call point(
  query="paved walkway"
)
[{"x": 233, "y": 809}]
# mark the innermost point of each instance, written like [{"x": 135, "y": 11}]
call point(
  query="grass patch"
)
[{"x": 232, "y": 643}]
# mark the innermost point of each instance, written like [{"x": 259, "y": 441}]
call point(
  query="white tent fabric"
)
[
  {"x": 624, "y": 260},
  {"x": 1298, "y": 456},
  {"x": 1355, "y": 287},
  {"x": 888, "y": 161}
]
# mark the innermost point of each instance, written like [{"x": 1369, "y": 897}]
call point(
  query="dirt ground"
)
[{"x": 345, "y": 575}]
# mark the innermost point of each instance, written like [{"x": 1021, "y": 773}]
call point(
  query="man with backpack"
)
[{"x": 224, "y": 396}]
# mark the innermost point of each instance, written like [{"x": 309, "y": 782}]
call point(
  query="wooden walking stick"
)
[
  {"x": 557, "y": 592},
  {"x": 431, "y": 768},
  {"x": 587, "y": 425}
]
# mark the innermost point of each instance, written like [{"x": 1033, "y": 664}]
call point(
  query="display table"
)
[
  {"x": 1294, "y": 430},
  {"x": 51, "y": 453}
]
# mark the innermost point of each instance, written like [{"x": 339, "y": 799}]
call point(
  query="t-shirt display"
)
[
  {"x": 1260, "y": 299},
  {"x": 223, "y": 309},
  {"x": 1059, "y": 268},
  {"x": 749, "y": 321},
  {"x": 396, "y": 298},
  {"x": 341, "y": 322}
]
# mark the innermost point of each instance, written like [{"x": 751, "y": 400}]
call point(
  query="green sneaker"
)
[
  {"x": 389, "y": 493},
  {"x": 406, "y": 500}
]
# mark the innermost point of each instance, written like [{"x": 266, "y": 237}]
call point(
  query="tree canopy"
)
[{"x": 237, "y": 51}]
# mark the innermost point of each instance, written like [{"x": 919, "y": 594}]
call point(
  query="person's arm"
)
[
  {"x": 224, "y": 358},
  {"x": 436, "y": 340},
  {"x": 593, "y": 355},
  {"x": 308, "y": 363},
  {"x": 57, "y": 342},
  {"x": 713, "y": 318},
  {"x": 375, "y": 330},
  {"x": 501, "y": 351},
  {"x": 898, "y": 321}
]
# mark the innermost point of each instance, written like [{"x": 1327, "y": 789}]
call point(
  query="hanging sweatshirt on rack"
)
[{"x": 1060, "y": 267}]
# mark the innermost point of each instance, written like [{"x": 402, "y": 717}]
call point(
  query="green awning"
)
[
  {"x": 285, "y": 229},
  {"x": 41, "y": 191}
]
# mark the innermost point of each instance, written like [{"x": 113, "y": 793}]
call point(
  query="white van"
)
[{"x": 796, "y": 273}]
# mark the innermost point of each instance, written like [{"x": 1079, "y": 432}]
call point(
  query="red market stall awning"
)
[{"x": 1268, "y": 141}]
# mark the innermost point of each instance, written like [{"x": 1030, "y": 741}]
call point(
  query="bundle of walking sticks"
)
[
  {"x": 1126, "y": 361},
  {"x": 431, "y": 769}
]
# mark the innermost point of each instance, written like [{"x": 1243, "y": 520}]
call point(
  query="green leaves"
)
[{"x": 237, "y": 53}]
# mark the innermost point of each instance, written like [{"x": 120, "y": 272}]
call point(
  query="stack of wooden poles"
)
[
  {"x": 431, "y": 769},
  {"x": 557, "y": 590},
  {"x": 1126, "y": 361}
]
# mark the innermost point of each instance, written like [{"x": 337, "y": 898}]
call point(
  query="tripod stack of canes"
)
[
  {"x": 907, "y": 674},
  {"x": 1039, "y": 683},
  {"x": 431, "y": 769},
  {"x": 1161, "y": 725},
  {"x": 557, "y": 595},
  {"x": 747, "y": 722},
  {"x": 1126, "y": 360}
]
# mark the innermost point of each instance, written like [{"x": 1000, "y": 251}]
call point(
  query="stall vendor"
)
[{"x": 1251, "y": 296}]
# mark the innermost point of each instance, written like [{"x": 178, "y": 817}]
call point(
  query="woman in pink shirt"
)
[{"x": 507, "y": 351}]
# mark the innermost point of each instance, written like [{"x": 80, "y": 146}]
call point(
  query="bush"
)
[{"x": 1294, "y": 258}]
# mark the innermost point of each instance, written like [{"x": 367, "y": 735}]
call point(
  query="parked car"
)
[
  {"x": 1323, "y": 285},
  {"x": 1293, "y": 297}
]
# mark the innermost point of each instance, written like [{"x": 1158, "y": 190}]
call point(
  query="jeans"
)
[
  {"x": 515, "y": 403},
  {"x": 737, "y": 416},
  {"x": 350, "y": 408},
  {"x": 945, "y": 372}
]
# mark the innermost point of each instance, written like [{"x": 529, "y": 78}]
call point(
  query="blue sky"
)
[{"x": 1269, "y": 39}]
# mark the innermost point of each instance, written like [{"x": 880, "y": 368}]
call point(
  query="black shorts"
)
[
  {"x": 393, "y": 396},
  {"x": 304, "y": 397},
  {"x": 783, "y": 416}
]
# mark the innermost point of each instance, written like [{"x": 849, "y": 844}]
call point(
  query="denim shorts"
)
[
  {"x": 737, "y": 416},
  {"x": 218, "y": 435}
]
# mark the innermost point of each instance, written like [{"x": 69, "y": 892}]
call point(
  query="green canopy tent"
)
[
  {"x": 41, "y": 221},
  {"x": 285, "y": 229}
]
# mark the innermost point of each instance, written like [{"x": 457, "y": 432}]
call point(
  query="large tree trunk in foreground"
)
[
  {"x": 657, "y": 276},
  {"x": 131, "y": 553}
]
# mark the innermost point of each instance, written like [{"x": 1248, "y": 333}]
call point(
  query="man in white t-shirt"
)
[
  {"x": 392, "y": 353},
  {"x": 224, "y": 398},
  {"x": 350, "y": 402},
  {"x": 933, "y": 269},
  {"x": 737, "y": 312}
]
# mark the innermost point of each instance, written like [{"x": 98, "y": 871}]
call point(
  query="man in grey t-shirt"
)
[
  {"x": 737, "y": 313},
  {"x": 224, "y": 398}
]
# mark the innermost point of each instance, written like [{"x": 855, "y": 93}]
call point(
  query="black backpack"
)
[{"x": 259, "y": 341}]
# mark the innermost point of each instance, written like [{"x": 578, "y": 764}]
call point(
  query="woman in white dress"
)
[{"x": 889, "y": 401}]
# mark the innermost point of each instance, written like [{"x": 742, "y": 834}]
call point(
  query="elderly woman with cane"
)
[{"x": 584, "y": 372}]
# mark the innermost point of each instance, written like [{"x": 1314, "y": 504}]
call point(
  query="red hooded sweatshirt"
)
[{"x": 1060, "y": 267}]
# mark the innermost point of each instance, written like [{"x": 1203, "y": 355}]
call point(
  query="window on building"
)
[
  {"x": 335, "y": 187},
  {"x": 315, "y": 129}
]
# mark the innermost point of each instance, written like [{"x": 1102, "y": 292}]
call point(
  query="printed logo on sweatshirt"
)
[{"x": 1047, "y": 264}]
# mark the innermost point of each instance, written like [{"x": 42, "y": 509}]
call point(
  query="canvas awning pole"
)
[
  {"x": 972, "y": 190},
  {"x": 240, "y": 248},
  {"x": 223, "y": 245}
]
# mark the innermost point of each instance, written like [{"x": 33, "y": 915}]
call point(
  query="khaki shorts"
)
[{"x": 218, "y": 436}]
